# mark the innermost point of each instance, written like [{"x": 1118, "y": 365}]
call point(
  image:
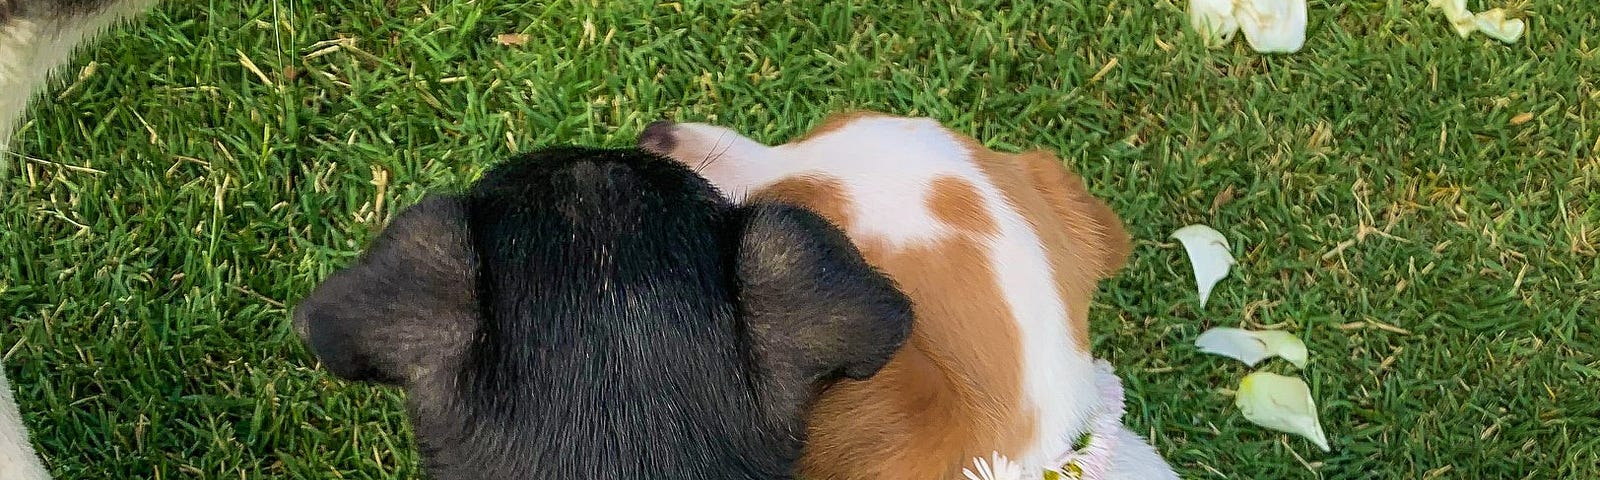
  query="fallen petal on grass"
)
[
  {"x": 1456, "y": 12},
  {"x": 1273, "y": 26},
  {"x": 1251, "y": 347},
  {"x": 1213, "y": 20},
  {"x": 1208, "y": 254},
  {"x": 1495, "y": 24},
  {"x": 1281, "y": 403}
]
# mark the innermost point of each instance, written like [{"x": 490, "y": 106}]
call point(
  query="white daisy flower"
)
[{"x": 998, "y": 467}]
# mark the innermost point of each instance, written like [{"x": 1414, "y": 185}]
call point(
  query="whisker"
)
[{"x": 713, "y": 154}]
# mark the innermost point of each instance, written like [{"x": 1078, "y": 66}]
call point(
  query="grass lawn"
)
[{"x": 1417, "y": 206}]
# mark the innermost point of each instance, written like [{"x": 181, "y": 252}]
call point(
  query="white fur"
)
[
  {"x": 887, "y": 166},
  {"x": 34, "y": 48},
  {"x": 17, "y": 460},
  {"x": 1134, "y": 459}
]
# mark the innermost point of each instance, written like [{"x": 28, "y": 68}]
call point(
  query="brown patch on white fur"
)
[
  {"x": 815, "y": 193},
  {"x": 1082, "y": 236},
  {"x": 957, "y": 203},
  {"x": 955, "y": 390},
  {"x": 835, "y": 121}
]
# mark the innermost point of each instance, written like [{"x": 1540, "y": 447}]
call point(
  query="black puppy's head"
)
[{"x": 585, "y": 313}]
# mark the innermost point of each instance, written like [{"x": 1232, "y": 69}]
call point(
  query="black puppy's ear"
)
[
  {"x": 405, "y": 307},
  {"x": 814, "y": 308}
]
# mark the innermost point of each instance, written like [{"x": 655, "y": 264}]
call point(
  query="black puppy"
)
[{"x": 605, "y": 314}]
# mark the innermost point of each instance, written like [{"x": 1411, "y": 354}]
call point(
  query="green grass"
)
[{"x": 1439, "y": 259}]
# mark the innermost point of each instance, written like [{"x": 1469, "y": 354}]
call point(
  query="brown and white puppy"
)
[{"x": 999, "y": 253}]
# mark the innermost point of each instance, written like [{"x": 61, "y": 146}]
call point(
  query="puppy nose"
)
[{"x": 658, "y": 137}]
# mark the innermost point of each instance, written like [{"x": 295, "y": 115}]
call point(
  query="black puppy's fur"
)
[{"x": 605, "y": 314}]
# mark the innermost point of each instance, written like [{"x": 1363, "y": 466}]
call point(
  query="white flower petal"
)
[
  {"x": 1208, "y": 254},
  {"x": 1000, "y": 468},
  {"x": 1233, "y": 343},
  {"x": 1281, "y": 403},
  {"x": 1273, "y": 26},
  {"x": 1251, "y": 347},
  {"x": 1456, "y": 11},
  {"x": 1495, "y": 24},
  {"x": 1286, "y": 345},
  {"x": 1005, "y": 469},
  {"x": 982, "y": 466},
  {"x": 1449, "y": 6},
  {"x": 1213, "y": 20}
]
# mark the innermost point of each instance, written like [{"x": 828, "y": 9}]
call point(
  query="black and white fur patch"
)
[{"x": 586, "y": 313}]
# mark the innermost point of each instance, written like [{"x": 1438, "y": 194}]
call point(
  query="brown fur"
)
[
  {"x": 955, "y": 390},
  {"x": 956, "y": 203},
  {"x": 834, "y": 122},
  {"x": 818, "y": 194},
  {"x": 927, "y": 398},
  {"x": 1082, "y": 236}
]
